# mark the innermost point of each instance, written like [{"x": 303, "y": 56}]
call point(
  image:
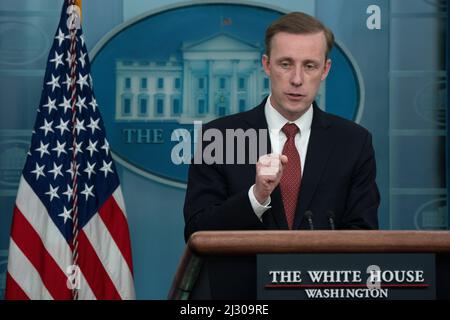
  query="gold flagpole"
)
[{"x": 79, "y": 4}]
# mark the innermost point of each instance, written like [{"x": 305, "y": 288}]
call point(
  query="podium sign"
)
[
  {"x": 324, "y": 264},
  {"x": 388, "y": 276}
]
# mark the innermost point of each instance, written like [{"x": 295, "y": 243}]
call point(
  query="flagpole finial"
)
[
  {"x": 77, "y": 3},
  {"x": 74, "y": 16}
]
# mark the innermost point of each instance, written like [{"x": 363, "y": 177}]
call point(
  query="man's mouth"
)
[{"x": 295, "y": 95}]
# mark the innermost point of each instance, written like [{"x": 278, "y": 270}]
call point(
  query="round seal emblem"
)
[{"x": 165, "y": 70}]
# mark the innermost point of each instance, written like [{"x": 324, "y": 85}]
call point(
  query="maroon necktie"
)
[{"x": 292, "y": 173}]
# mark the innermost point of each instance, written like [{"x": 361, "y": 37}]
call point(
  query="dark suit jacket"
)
[{"x": 339, "y": 175}]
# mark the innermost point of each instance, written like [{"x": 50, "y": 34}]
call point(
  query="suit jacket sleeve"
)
[
  {"x": 363, "y": 197},
  {"x": 209, "y": 205}
]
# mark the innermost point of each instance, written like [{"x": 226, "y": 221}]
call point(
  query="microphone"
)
[
  {"x": 308, "y": 216},
  {"x": 330, "y": 215}
]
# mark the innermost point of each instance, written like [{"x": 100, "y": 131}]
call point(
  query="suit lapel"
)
[{"x": 319, "y": 149}]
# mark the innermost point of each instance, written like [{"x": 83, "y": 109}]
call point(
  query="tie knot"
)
[{"x": 290, "y": 130}]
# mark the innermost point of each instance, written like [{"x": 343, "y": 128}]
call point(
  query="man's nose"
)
[{"x": 297, "y": 76}]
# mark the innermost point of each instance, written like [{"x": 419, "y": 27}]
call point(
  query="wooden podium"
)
[{"x": 222, "y": 264}]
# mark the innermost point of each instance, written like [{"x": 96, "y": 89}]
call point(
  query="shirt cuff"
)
[{"x": 258, "y": 208}]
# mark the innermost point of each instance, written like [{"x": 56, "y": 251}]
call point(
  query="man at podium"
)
[{"x": 314, "y": 170}]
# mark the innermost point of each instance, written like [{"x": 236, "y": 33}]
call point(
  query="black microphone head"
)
[
  {"x": 308, "y": 216},
  {"x": 330, "y": 214}
]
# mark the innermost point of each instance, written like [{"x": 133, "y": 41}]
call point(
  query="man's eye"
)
[
  {"x": 285, "y": 65},
  {"x": 310, "y": 66}
]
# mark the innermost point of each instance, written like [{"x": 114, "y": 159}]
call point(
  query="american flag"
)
[{"x": 69, "y": 237}]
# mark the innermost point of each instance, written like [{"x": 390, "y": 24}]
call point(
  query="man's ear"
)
[
  {"x": 265, "y": 60},
  {"x": 326, "y": 69}
]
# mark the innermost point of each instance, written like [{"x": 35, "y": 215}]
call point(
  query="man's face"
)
[{"x": 296, "y": 67}]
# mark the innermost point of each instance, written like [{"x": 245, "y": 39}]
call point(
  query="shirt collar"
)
[{"x": 275, "y": 121}]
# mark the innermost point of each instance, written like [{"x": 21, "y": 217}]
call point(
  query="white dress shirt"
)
[{"x": 275, "y": 122}]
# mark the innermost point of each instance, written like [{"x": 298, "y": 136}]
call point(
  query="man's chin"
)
[
  {"x": 293, "y": 113},
  {"x": 297, "y": 108}
]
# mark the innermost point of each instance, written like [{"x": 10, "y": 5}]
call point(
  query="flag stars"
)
[
  {"x": 106, "y": 168},
  {"x": 60, "y": 37},
  {"x": 39, "y": 171},
  {"x": 82, "y": 59},
  {"x": 54, "y": 82},
  {"x": 79, "y": 126},
  {"x": 92, "y": 147},
  {"x": 88, "y": 191},
  {"x": 56, "y": 171},
  {"x": 66, "y": 215},
  {"x": 68, "y": 82},
  {"x": 82, "y": 81},
  {"x": 62, "y": 127},
  {"x": 50, "y": 105},
  {"x": 91, "y": 83},
  {"x": 69, "y": 58},
  {"x": 60, "y": 148},
  {"x": 93, "y": 104},
  {"x": 90, "y": 169},
  {"x": 106, "y": 147},
  {"x": 53, "y": 193},
  {"x": 57, "y": 60},
  {"x": 80, "y": 103},
  {"x": 43, "y": 149},
  {"x": 77, "y": 148},
  {"x": 93, "y": 125},
  {"x": 47, "y": 127},
  {"x": 52, "y": 139},
  {"x": 66, "y": 104},
  {"x": 68, "y": 193},
  {"x": 72, "y": 170}
]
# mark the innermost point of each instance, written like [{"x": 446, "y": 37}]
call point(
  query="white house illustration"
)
[{"x": 217, "y": 76}]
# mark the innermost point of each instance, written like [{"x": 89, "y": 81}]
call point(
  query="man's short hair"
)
[{"x": 298, "y": 23}]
